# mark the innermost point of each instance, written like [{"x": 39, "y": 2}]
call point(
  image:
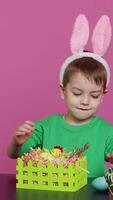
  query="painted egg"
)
[{"x": 100, "y": 183}]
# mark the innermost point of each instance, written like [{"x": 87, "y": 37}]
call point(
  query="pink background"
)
[{"x": 34, "y": 41}]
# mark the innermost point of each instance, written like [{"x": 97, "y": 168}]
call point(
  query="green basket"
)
[{"x": 51, "y": 178}]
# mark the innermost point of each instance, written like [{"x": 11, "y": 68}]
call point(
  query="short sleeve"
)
[{"x": 109, "y": 141}]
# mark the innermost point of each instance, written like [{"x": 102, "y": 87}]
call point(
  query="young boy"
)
[{"x": 83, "y": 82}]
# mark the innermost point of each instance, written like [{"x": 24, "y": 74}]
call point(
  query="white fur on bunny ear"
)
[
  {"x": 101, "y": 35},
  {"x": 80, "y": 34}
]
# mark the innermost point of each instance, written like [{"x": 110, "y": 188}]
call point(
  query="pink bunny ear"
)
[
  {"x": 80, "y": 34},
  {"x": 101, "y": 35}
]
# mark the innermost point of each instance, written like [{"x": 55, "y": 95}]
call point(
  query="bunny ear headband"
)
[{"x": 100, "y": 42}]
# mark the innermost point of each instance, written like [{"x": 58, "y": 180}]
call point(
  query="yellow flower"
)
[{"x": 56, "y": 152}]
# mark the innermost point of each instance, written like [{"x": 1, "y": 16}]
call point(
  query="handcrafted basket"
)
[{"x": 51, "y": 178}]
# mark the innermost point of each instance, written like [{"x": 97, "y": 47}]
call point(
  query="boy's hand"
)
[
  {"x": 109, "y": 157},
  {"x": 24, "y": 132}
]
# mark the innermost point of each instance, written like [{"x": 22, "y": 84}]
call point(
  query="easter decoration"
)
[
  {"x": 100, "y": 183},
  {"x": 54, "y": 169},
  {"x": 109, "y": 179},
  {"x": 104, "y": 182}
]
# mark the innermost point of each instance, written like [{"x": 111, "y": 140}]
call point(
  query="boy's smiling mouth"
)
[{"x": 84, "y": 109}]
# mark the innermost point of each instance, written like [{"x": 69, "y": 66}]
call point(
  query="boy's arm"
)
[
  {"x": 22, "y": 134},
  {"x": 13, "y": 149}
]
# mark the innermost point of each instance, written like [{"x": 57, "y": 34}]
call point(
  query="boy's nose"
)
[{"x": 85, "y": 100}]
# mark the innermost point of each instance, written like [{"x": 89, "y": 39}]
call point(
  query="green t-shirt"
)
[{"x": 54, "y": 131}]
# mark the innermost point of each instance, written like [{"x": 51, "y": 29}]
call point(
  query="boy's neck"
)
[{"x": 74, "y": 121}]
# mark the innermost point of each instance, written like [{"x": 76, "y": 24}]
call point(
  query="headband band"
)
[{"x": 82, "y": 55}]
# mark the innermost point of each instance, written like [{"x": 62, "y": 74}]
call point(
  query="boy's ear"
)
[
  {"x": 106, "y": 91},
  {"x": 62, "y": 91}
]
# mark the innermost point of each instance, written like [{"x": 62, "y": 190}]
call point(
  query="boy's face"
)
[{"x": 82, "y": 97}]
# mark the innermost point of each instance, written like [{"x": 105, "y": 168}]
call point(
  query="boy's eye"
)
[
  {"x": 95, "y": 97},
  {"x": 77, "y": 94}
]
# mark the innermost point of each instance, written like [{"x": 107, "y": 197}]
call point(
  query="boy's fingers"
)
[
  {"x": 26, "y": 128},
  {"x": 109, "y": 157},
  {"x": 23, "y": 130},
  {"x": 29, "y": 122},
  {"x": 20, "y": 138},
  {"x": 23, "y": 134}
]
